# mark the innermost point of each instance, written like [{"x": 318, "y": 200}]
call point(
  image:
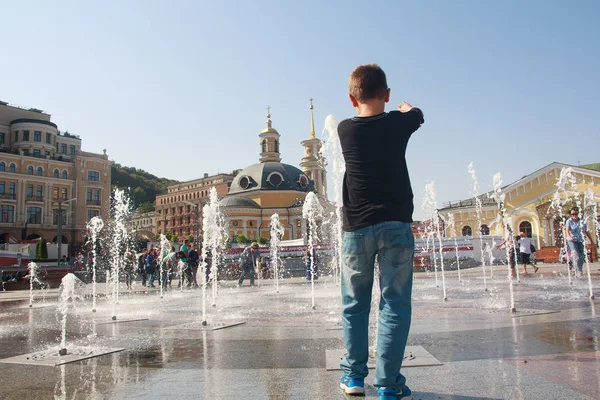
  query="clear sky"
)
[{"x": 179, "y": 88}]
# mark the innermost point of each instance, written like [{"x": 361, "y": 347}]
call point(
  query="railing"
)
[
  {"x": 93, "y": 202},
  {"x": 8, "y": 196},
  {"x": 35, "y": 198}
]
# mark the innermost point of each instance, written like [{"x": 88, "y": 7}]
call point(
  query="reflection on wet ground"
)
[{"x": 280, "y": 351}]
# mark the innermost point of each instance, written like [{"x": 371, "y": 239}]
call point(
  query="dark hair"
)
[{"x": 367, "y": 82}]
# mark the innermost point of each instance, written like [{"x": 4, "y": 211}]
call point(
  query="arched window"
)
[
  {"x": 467, "y": 231},
  {"x": 56, "y": 173},
  {"x": 276, "y": 146},
  {"x": 264, "y": 145},
  {"x": 484, "y": 229},
  {"x": 30, "y": 170},
  {"x": 64, "y": 174},
  {"x": 2, "y": 166},
  {"x": 525, "y": 226},
  {"x": 40, "y": 171},
  {"x": 11, "y": 167}
]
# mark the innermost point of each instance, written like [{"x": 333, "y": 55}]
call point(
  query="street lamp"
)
[
  {"x": 197, "y": 220},
  {"x": 60, "y": 202}
]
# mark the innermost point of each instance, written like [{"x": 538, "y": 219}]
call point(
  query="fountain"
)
[
  {"x": 213, "y": 225},
  {"x": 311, "y": 211},
  {"x": 121, "y": 209},
  {"x": 430, "y": 204},
  {"x": 591, "y": 211},
  {"x": 559, "y": 199},
  {"x": 68, "y": 295},
  {"x": 32, "y": 269},
  {"x": 277, "y": 233},
  {"x": 332, "y": 150},
  {"x": 499, "y": 197},
  {"x": 451, "y": 224},
  {"x": 94, "y": 226},
  {"x": 165, "y": 250},
  {"x": 478, "y": 210}
]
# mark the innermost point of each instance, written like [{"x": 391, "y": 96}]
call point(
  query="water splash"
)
[
  {"x": 94, "y": 226},
  {"x": 478, "y": 210},
  {"x": 121, "y": 210},
  {"x": 332, "y": 150},
  {"x": 560, "y": 198},
  {"x": 429, "y": 209},
  {"x": 311, "y": 212},
  {"x": 277, "y": 233},
  {"x": 165, "y": 250},
  {"x": 432, "y": 205},
  {"x": 591, "y": 211},
  {"x": 498, "y": 195},
  {"x": 214, "y": 235},
  {"x": 32, "y": 269},
  {"x": 451, "y": 223},
  {"x": 69, "y": 293}
]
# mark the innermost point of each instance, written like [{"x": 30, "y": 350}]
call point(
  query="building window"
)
[
  {"x": 72, "y": 150},
  {"x": 11, "y": 190},
  {"x": 64, "y": 194},
  {"x": 16, "y": 136},
  {"x": 92, "y": 213},
  {"x": 63, "y": 148},
  {"x": 467, "y": 231},
  {"x": 264, "y": 145},
  {"x": 34, "y": 215},
  {"x": 97, "y": 196},
  {"x": 30, "y": 170},
  {"x": 525, "y": 227},
  {"x": 1, "y": 187},
  {"x": 29, "y": 191},
  {"x": 37, "y": 136},
  {"x": 55, "y": 217},
  {"x": 8, "y": 213},
  {"x": 48, "y": 138},
  {"x": 484, "y": 229},
  {"x": 89, "y": 195},
  {"x": 94, "y": 176},
  {"x": 37, "y": 153},
  {"x": 1, "y": 137},
  {"x": 56, "y": 173},
  {"x": 40, "y": 171},
  {"x": 38, "y": 193},
  {"x": 25, "y": 136},
  {"x": 55, "y": 193},
  {"x": 26, "y": 152},
  {"x": 64, "y": 175},
  {"x": 11, "y": 167},
  {"x": 276, "y": 146},
  {"x": 2, "y": 166}
]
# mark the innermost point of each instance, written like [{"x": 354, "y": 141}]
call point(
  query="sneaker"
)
[
  {"x": 353, "y": 384},
  {"x": 392, "y": 394}
]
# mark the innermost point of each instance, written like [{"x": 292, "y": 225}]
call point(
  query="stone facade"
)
[{"x": 43, "y": 170}]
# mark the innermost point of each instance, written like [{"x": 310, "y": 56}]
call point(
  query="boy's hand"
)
[{"x": 404, "y": 107}]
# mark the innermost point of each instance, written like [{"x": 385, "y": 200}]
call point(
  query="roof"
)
[
  {"x": 238, "y": 201},
  {"x": 271, "y": 176}
]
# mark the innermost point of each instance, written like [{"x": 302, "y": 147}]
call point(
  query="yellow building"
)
[
  {"x": 528, "y": 205},
  {"x": 269, "y": 187}
]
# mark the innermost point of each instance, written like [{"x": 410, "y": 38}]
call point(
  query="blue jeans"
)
[
  {"x": 577, "y": 255},
  {"x": 394, "y": 244},
  {"x": 247, "y": 269}
]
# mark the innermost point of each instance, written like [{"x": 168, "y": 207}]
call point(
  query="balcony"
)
[
  {"x": 35, "y": 198},
  {"x": 8, "y": 196},
  {"x": 92, "y": 202}
]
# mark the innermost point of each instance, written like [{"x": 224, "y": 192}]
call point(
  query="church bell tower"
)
[
  {"x": 269, "y": 142},
  {"x": 312, "y": 163}
]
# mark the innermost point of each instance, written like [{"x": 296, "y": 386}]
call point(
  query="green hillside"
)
[
  {"x": 143, "y": 186},
  {"x": 595, "y": 167}
]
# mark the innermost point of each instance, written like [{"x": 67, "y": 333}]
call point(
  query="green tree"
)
[
  {"x": 262, "y": 240},
  {"x": 38, "y": 250},
  {"x": 243, "y": 239},
  {"x": 190, "y": 238},
  {"x": 44, "y": 246}
]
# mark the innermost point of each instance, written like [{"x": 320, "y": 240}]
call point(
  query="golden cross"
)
[{"x": 269, "y": 110}]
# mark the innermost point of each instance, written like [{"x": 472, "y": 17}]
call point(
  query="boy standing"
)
[{"x": 377, "y": 212}]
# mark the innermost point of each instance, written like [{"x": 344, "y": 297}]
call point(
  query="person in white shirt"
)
[{"x": 525, "y": 250}]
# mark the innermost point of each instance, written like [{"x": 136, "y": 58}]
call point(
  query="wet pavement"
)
[{"x": 548, "y": 350}]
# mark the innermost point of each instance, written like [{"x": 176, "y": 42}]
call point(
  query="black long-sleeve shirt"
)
[{"x": 376, "y": 183}]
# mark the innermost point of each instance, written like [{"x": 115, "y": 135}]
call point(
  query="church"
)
[{"x": 270, "y": 186}]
